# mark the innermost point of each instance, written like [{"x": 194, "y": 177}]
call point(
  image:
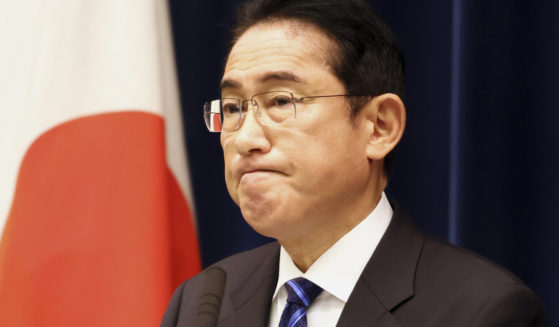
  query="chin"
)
[
  {"x": 264, "y": 222},
  {"x": 265, "y": 212},
  {"x": 266, "y": 231}
]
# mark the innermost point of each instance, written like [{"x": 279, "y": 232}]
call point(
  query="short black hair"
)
[{"x": 369, "y": 61}]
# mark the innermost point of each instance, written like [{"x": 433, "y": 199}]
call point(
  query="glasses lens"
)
[
  {"x": 230, "y": 113},
  {"x": 212, "y": 116},
  {"x": 275, "y": 106},
  {"x": 269, "y": 108}
]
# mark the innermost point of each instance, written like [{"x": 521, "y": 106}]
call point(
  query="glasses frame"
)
[{"x": 255, "y": 105}]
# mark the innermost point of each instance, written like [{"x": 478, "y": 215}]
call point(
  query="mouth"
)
[
  {"x": 259, "y": 171},
  {"x": 257, "y": 174}
]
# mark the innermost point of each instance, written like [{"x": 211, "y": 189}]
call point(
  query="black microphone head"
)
[{"x": 207, "y": 312}]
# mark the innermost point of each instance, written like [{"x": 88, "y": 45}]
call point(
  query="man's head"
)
[
  {"x": 366, "y": 57},
  {"x": 316, "y": 174}
]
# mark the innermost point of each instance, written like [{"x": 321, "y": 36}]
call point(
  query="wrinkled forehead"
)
[{"x": 303, "y": 42}]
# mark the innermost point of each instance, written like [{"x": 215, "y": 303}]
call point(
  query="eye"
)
[
  {"x": 230, "y": 109},
  {"x": 230, "y": 106},
  {"x": 281, "y": 100}
]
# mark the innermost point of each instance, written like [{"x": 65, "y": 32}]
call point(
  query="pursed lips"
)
[{"x": 254, "y": 171}]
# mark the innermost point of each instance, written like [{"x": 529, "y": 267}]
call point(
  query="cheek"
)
[
  {"x": 232, "y": 185},
  {"x": 330, "y": 158},
  {"x": 228, "y": 155}
]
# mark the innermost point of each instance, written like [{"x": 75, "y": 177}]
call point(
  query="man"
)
[{"x": 310, "y": 111}]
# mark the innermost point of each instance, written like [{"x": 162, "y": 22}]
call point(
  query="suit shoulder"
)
[
  {"x": 237, "y": 268},
  {"x": 511, "y": 305},
  {"x": 452, "y": 260},
  {"x": 461, "y": 288},
  {"x": 246, "y": 259},
  {"x": 240, "y": 264},
  {"x": 474, "y": 283}
]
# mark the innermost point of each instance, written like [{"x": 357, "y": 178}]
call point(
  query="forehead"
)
[{"x": 288, "y": 51}]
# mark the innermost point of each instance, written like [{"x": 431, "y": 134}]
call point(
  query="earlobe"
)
[{"x": 387, "y": 114}]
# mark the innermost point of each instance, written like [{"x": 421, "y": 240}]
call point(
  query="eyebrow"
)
[
  {"x": 229, "y": 84},
  {"x": 271, "y": 76},
  {"x": 281, "y": 76}
]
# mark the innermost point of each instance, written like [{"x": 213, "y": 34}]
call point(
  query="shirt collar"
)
[{"x": 338, "y": 269}]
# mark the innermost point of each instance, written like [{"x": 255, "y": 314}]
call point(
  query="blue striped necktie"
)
[{"x": 300, "y": 294}]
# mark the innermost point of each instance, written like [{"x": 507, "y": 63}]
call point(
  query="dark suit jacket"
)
[{"x": 411, "y": 280}]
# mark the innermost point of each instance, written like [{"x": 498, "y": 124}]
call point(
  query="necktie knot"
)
[
  {"x": 300, "y": 294},
  {"x": 301, "y": 291}
]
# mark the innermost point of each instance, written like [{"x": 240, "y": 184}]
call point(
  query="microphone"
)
[{"x": 207, "y": 311}]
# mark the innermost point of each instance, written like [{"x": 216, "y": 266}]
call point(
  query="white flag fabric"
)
[{"x": 95, "y": 203}]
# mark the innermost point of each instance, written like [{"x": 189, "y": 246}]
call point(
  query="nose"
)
[{"x": 251, "y": 136}]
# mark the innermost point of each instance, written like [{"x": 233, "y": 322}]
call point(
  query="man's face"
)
[{"x": 299, "y": 176}]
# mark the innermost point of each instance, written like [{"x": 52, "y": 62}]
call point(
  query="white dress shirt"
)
[{"x": 336, "y": 270}]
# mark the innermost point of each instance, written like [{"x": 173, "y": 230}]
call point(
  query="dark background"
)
[{"x": 478, "y": 162}]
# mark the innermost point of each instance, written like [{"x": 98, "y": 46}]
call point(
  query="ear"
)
[{"x": 386, "y": 114}]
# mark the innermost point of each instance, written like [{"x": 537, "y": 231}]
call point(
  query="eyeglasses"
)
[{"x": 269, "y": 108}]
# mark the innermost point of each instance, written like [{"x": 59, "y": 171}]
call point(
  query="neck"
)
[{"x": 305, "y": 251}]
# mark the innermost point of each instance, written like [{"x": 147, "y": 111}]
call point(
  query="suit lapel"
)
[
  {"x": 386, "y": 282},
  {"x": 388, "y": 278},
  {"x": 252, "y": 299}
]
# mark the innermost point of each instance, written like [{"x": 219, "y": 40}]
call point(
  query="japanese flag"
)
[{"x": 96, "y": 215}]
